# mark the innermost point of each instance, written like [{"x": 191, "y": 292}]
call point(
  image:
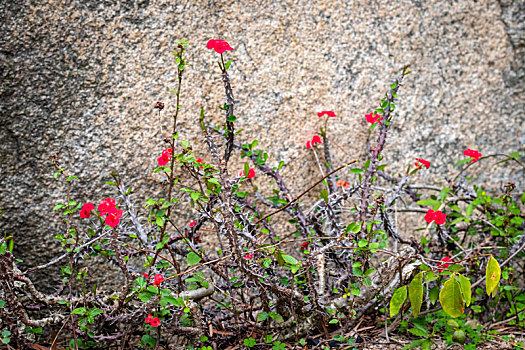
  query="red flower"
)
[
  {"x": 430, "y": 216},
  {"x": 192, "y": 223},
  {"x": 219, "y": 45},
  {"x": 251, "y": 173},
  {"x": 305, "y": 245},
  {"x": 113, "y": 218},
  {"x": 165, "y": 157},
  {"x": 248, "y": 256},
  {"x": 443, "y": 264},
  {"x": 440, "y": 218},
  {"x": 328, "y": 113},
  {"x": 199, "y": 160},
  {"x": 472, "y": 153},
  {"x": 436, "y": 216},
  {"x": 158, "y": 280},
  {"x": 343, "y": 184},
  {"x": 145, "y": 275},
  {"x": 155, "y": 322},
  {"x": 315, "y": 139},
  {"x": 106, "y": 206},
  {"x": 372, "y": 118},
  {"x": 85, "y": 212},
  {"x": 423, "y": 163}
]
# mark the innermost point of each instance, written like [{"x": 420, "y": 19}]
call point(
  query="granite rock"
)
[{"x": 80, "y": 79}]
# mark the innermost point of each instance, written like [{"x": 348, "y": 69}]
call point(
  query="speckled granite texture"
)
[{"x": 80, "y": 78}]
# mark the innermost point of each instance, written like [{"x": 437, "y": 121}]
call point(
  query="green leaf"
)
[
  {"x": 465, "y": 286},
  {"x": 172, "y": 300},
  {"x": 324, "y": 194},
  {"x": 463, "y": 161},
  {"x": 193, "y": 259},
  {"x": 262, "y": 316},
  {"x": 227, "y": 65},
  {"x": 232, "y": 118},
  {"x": 514, "y": 155},
  {"x": 451, "y": 299},
  {"x": 399, "y": 297},
  {"x": 433, "y": 294},
  {"x": 145, "y": 296},
  {"x": 415, "y": 294},
  {"x": 58, "y": 206},
  {"x": 431, "y": 202},
  {"x": 246, "y": 168},
  {"x": 453, "y": 323},
  {"x": 444, "y": 193},
  {"x": 430, "y": 276},
  {"x": 492, "y": 276},
  {"x": 367, "y": 164},
  {"x": 356, "y": 170},
  {"x": 418, "y": 332},
  {"x": 195, "y": 195},
  {"x": 2, "y": 303},
  {"x": 289, "y": 259},
  {"x": 79, "y": 311},
  {"x": 184, "y": 143},
  {"x": 250, "y": 342},
  {"x": 3, "y": 247},
  {"x": 278, "y": 318},
  {"x": 469, "y": 210},
  {"x": 362, "y": 243}
]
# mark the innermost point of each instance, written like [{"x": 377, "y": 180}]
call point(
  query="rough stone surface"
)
[{"x": 80, "y": 78}]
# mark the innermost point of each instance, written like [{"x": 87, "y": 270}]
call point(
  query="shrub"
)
[{"x": 234, "y": 274}]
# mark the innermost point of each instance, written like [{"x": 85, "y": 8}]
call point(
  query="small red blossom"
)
[
  {"x": 199, "y": 160},
  {"x": 344, "y": 184},
  {"x": 316, "y": 139},
  {"x": 328, "y": 113},
  {"x": 158, "y": 280},
  {"x": 218, "y": 45},
  {"x": 155, "y": 322},
  {"x": 145, "y": 275},
  {"x": 305, "y": 245},
  {"x": 472, "y": 153},
  {"x": 372, "y": 118},
  {"x": 113, "y": 218},
  {"x": 422, "y": 163},
  {"x": 106, "y": 206},
  {"x": 429, "y": 217},
  {"x": 251, "y": 173},
  {"x": 443, "y": 264},
  {"x": 248, "y": 256},
  {"x": 165, "y": 157},
  {"x": 192, "y": 223},
  {"x": 440, "y": 218},
  {"x": 437, "y": 216},
  {"x": 85, "y": 212}
]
